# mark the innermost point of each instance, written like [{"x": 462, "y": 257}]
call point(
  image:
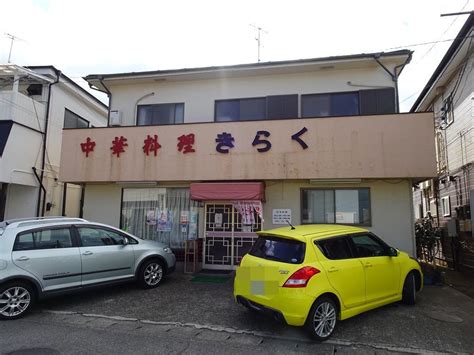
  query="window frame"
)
[
  {"x": 76, "y": 228},
  {"x": 239, "y": 99},
  {"x": 303, "y": 189},
  {"x": 279, "y": 239},
  {"x": 348, "y": 241},
  {"x": 77, "y": 116},
  {"x": 41, "y": 229},
  {"x": 159, "y": 104},
  {"x": 373, "y": 237},
  {"x": 302, "y": 96},
  {"x": 446, "y": 206}
]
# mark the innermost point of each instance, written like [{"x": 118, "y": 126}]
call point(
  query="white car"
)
[{"x": 46, "y": 256}]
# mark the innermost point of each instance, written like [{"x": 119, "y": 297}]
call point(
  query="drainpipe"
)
[
  {"x": 109, "y": 96},
  {"x": 396, "y": 73},
  {"x": 42, "y": 188},
  {"x": 63, "y": 210},
  {"x": 43, "y": 155}
]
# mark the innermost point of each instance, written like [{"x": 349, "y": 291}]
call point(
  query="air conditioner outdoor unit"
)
[{"x": 115, "y": 118}]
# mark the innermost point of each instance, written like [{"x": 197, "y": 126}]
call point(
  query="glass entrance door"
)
[{"x": 226, "y": 238}]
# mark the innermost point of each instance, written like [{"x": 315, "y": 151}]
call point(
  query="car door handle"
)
[
  {"x": 87, "y": 253},
  {"x": 23, "y": 258},
  {"x": 333, "y": 269},
  {"x": 368, "y": 265}
]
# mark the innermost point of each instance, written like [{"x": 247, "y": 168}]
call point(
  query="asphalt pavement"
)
[{"x": 441, "y": 321}]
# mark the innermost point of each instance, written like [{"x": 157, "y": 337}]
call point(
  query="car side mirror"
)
[
  {"x": 125, "y": 241},
  {"x": 392, "y": 251}
]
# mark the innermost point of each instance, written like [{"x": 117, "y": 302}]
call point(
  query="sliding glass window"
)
[
  {"x": 160, "y": 114},
  {"x": 345, "y": 206}
]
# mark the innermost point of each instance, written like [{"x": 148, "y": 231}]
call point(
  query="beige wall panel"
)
[{"x": 386, "y": 146}]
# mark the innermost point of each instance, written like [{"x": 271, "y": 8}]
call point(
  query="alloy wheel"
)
[
  {"x": 14, "y": 301},
  {"x": 153, "y": 274},
  {"x": 324, "y": 319}
]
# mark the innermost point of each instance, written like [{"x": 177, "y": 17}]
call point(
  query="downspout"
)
[
  {"x": 109, "y": 95},
  {"x": 45, "y": 139},
  {"x": 63, "y": 210},
  {"x": 42, "y": 188},
  {"x": 396, "y": 73}
]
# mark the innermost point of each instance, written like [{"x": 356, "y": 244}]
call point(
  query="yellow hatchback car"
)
[{"x": 315, "y": 275}]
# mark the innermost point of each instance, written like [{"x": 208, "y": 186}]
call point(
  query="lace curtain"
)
[{"x": 162, "y": 214}]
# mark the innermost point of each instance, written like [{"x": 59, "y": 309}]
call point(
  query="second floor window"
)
[
  {"x": 160, "y": 114},
  {"x": 335, "y": 104},
  {"x": 257, "y": 108},
  {"x": 73, "y": 120}
]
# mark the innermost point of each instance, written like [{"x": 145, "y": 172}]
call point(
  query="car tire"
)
[
  {"x": 322, "y": 319},
  {"x": 409, "y": 290},
  {"x": 16, "y": 300},
  {"x": 151, "y": 274}
]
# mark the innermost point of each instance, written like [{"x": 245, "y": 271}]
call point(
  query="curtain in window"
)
[{"x": 162, "y": 214}]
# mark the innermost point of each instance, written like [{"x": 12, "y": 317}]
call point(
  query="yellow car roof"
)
[{"x": 306, "y": 231}]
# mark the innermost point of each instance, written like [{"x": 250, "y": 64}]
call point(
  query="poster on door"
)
[{"x": 165, "y": 221}]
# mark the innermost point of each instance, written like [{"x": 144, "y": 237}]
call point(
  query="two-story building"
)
[
  {"x": 449, "y": 198},
  {"x": 218, "y": 153},
  {"x": 36, "y": 103}
]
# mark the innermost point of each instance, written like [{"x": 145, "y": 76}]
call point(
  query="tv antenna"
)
[
  {"x": 12, "y": 39},
  {"x": 258, "y": 39}
]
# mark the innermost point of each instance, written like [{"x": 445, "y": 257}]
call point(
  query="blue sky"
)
[{"x": 105, "y": 36}]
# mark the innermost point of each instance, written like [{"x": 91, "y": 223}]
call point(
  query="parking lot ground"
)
[{"x": 441, "y": 321}]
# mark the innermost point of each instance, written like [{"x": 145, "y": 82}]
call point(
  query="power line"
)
[{"x": 426, "y": 43}]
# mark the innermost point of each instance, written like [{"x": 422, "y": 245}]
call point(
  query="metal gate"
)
[{"x": 226, "y": 239}]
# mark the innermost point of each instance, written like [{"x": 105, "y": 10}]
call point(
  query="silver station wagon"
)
[{"x": 46, "y": 256}]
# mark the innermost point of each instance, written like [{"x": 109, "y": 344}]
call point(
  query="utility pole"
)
[{"x": 258, "y": 39}]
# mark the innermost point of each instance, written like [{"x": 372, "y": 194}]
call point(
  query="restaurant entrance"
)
[{"x": 229, "y": 232}]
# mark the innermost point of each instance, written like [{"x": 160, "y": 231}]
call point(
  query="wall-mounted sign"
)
[
  {"x": 224, "y": 142},
  {"x": 281, "y": 216}
]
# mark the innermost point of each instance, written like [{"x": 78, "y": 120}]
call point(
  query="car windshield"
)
[{"x": 279, "y": 249}]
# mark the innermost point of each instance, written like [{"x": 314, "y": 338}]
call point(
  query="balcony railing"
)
[{"x": 22, "y": 109}]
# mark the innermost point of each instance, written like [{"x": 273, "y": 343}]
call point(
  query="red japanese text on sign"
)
[
  {"x": 118, "y": 145},
  {"x": 185, "y": 143},
  {"x": 151, "y": 145},
  {"x": 88, "y": 146}
]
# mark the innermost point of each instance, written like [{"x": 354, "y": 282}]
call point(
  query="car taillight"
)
[{"x": 301, "y": 277}]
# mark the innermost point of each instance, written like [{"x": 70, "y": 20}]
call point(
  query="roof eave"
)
[
  {"x": 94, "y": 78},
  {"x": 452, "y": 50}
]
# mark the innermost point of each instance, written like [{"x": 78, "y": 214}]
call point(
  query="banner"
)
[{"x": 246, "y": 209}]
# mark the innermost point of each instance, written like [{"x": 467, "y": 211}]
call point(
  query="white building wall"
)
[
  {"x": 102, "y": 203},
  {"x": 24, "y": 146},
  {"x": 391, "y": 206},
  {"x": 199, "y": 95},
  {"x": 21, "y": 153},
  {"x": 460, "y": 133},
  {"x": 63, "y": 96},
  {"x": 21, "y": 201}
]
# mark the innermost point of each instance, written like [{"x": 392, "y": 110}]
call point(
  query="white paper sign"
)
[{"x": 281, "y": 216}]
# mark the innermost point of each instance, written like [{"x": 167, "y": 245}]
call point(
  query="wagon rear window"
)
[{"x": 279, "y": 249}]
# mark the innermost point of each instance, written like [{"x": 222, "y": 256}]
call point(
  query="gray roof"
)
[{"x": 251, "y": 65}]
